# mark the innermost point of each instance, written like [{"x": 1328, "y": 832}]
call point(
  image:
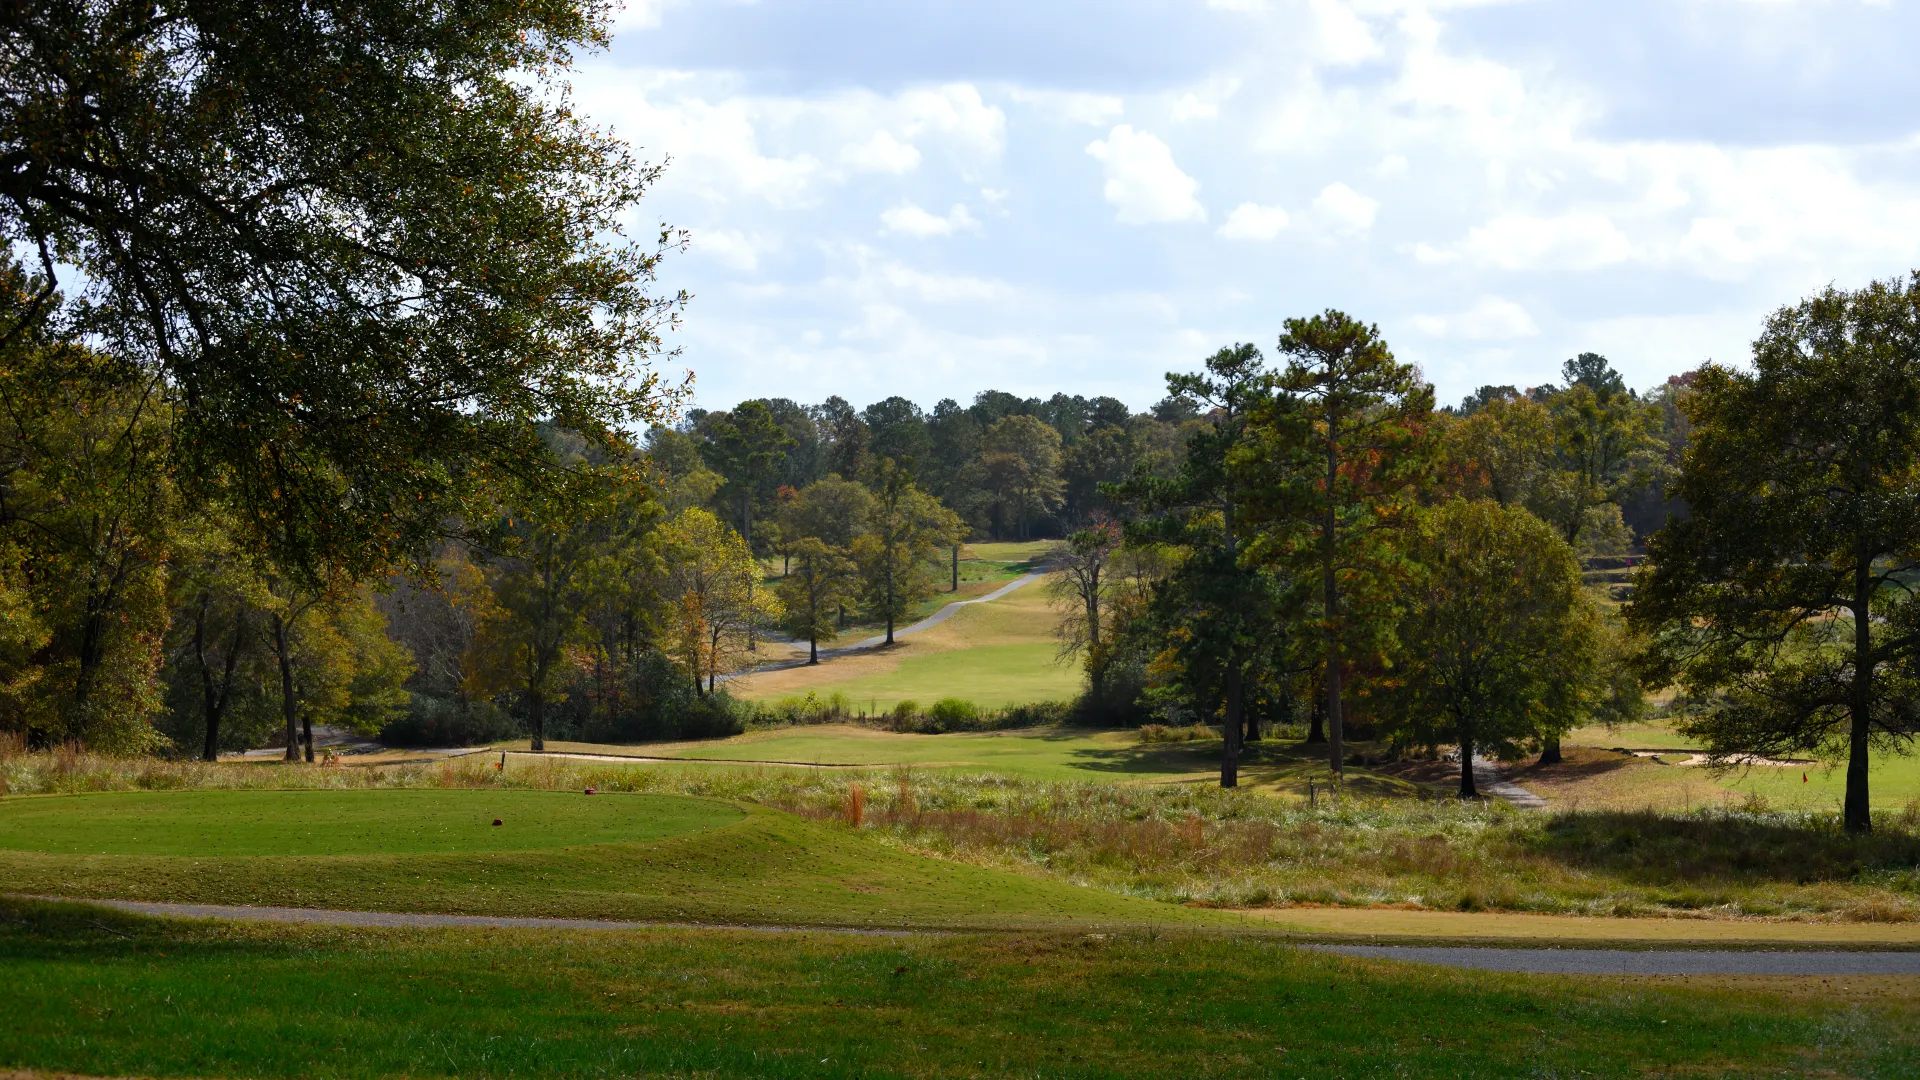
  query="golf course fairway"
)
[
  {"x": 382, "y": 821},
  {"x": 556, "y": 854}
]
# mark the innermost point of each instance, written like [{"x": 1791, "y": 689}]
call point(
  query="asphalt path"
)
[
  {"x": 1640, "y": 961},
  {"x": 1481, "y": 958}
]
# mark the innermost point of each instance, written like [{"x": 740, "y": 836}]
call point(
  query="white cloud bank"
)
[
  {"x": 1251, "y": 221},
  {"x": 913, "y": 221},
  {"x": 1143, "y": 182}
]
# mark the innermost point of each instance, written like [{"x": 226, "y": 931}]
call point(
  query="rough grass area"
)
[
  {"x": 1128, "y": 844},
  {"x": 111, "y": 995}
]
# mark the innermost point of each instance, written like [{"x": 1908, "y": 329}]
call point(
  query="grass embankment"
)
[
  {"x": 994, "y": 654},
  {"x": 1125, "y": 844},
  {"x": 608, "y": 856},
  {"x": 107, "y": 994}
]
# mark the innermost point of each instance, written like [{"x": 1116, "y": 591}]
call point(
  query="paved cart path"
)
[
  {"x": 1484, "y": 958},
  {"x": 1641, "y": 961}
]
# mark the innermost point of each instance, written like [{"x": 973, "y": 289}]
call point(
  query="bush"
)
[
  {"x": 437, "y": 721},
  {"x": 800, "y": 711},
  {"x": 954, "y": 714},
  {"x": 1161, "y": 733}
]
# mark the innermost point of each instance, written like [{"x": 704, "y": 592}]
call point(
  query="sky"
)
[{"x": 931, "y": 199}]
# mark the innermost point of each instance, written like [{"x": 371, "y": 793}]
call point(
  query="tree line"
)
[{"x": 1333, "y": 548}]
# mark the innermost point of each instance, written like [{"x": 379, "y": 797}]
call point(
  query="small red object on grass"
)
[
  {"x": 590, "y": 791},
  {"x": 496, "y": 821}
]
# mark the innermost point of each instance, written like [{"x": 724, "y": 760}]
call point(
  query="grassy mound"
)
[
  {"x": 104, "y": 994},
  {"x": 746, "y": 865},
  {"x": 390, "y": 821}
]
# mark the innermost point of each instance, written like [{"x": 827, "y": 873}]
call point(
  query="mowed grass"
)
[
  {"x": 1592, "y": 779},
  {"x": 391, "y": 821},
  {"x": 990, "y": 676},
  {"x": 1271, "y": 767},
  {"x": 992, "y": 654},
  {"x": 745, "y": 864},
  {"x": 1047, "y": 753},
  {"x": 104, "y": 994}
]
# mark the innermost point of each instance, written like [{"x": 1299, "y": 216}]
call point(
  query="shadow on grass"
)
[{"x": 1664, "y": 849}]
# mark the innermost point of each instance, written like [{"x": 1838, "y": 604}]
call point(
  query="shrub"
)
[
  {"x": 435, "y": 721},
  {"x": 954, "y": 714},
  {"x": 1161, "y": 733}
]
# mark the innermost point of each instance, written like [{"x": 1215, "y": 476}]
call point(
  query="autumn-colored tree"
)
[{"x": 717, "y": 600}]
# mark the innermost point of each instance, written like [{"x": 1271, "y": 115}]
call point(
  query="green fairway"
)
[
  {"x": 747, "y": 865},
  {"x": 1892, "y": 782},
  {"x": 239, "y": 823},
  {"x": 990, "y": 676},
  {"x": 104, "y": 994},
  {"x": 1041, "y": 753}
]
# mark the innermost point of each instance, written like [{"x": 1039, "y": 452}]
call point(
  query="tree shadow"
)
[{"x": 1704, "y": 849}]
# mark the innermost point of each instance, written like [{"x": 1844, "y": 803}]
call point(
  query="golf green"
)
[{"x": 244, "y": 823}]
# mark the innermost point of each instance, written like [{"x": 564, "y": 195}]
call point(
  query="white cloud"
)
[
  {"x": 1576, "y": 241},
  {"x": 1072, "y": 106},
  {"x": 1344, "y": 37},
  {"x": 957, "y": 112},
  {"x": 729, "y": 247},
  {"x": 1251, "y": 221},
  {"x": 913, "y": 221},
  {"x": 640, "y": 14},
  {"x": 1344, "y": 208},
  {"x": 1492, "y": 319},
  {"x": 1191, "y": 107},
  {"x": 1143, "y": 182},
  {"x": 884, "y": 154}
]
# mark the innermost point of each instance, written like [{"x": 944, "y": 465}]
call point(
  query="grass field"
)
[
  {"x": 111, "y": 995},
  {"x": 1272, "y": 767},
  {"x": 1603, "y": 780},
  {"x": 615, "y": 856},
  {"x": 392, "y": 821},
  {"x": 994, "y": 654}
]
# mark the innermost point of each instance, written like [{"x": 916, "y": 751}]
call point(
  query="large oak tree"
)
[
  {"x": 366, "y": 246},
  {"x": 1784, "y": 602}
]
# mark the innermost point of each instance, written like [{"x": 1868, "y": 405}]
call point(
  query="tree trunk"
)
[
  {"x": 209, "y": 704},
  {"x": 956, "y": 569},
  {"x": 306, "y": 735},
  {"x": 1253, "y": 725},
  {"x": 1330, "y": 588},
  {"x": 287, "y": 704},
  {"x": 813, "y": 648},
  {"x": 1317, "y": 724},
  {"x": 1857, "y": 816},
  {"x": 1550, "y": 750},
  {"x": 537, "y": 720},
  {"x": 1230, "y": 752},
  {"x": 1467, "y": 790}
]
